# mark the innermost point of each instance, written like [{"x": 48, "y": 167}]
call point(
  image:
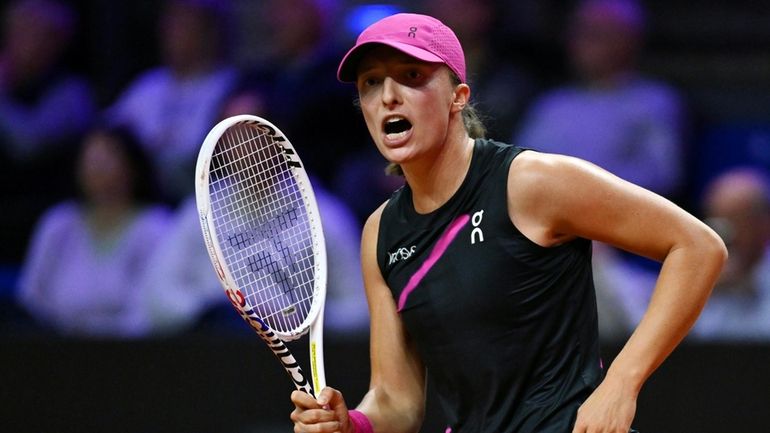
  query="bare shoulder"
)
[
  {"x": 372, "y": 224},
  {"x": 536, "y": 170},
  {"x": 541, "y": 185},
  {"x": 369, "y": 246}
]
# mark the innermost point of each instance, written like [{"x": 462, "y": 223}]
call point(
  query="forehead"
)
[{"x": 380, "y": 55}]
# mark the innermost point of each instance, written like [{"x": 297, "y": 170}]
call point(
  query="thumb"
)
[{"x": 330, "y": 398}]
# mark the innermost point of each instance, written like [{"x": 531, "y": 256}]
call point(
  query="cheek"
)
[
  {"x": 369, "y": 117},
  {"x": 434, "y": 110}
]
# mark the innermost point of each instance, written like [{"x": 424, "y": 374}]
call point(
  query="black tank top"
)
[{"x": 507, "y": 329}]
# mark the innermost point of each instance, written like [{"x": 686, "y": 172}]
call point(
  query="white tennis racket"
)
[{"x": 263, "y": 233}]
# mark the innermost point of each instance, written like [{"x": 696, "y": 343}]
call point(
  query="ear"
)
[{"x": 462, "y": 93}]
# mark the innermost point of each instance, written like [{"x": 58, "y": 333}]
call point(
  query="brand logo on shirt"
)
[
  {"x": 476, "y": 233},
  {"x": 400, "y": 254}
]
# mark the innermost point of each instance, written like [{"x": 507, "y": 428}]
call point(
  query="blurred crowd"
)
[{"x": 100, "y": 230}]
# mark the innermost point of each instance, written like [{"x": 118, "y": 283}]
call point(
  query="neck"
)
[
  {"x": 611, "y": 80},
  {"x": 192, "y": 68},
  {"x": 103, "y": 216},
  {"x": 435, "y": 181}
]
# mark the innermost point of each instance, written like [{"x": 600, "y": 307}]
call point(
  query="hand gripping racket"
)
[{"x": 263, "y": 234}]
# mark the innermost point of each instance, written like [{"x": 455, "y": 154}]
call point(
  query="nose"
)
[{"x": 390, "y": 92}]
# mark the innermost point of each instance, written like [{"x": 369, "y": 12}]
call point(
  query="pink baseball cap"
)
[{"x": 420, "y": 36}]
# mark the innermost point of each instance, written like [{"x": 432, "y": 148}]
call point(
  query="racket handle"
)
[
  {"x": 318, "y": 370},
  {"x": 279, "y": 349}
]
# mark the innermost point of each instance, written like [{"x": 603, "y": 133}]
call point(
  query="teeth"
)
[
  {"x": 394, "y": 119},
  {"x": 396, "y": 135}
]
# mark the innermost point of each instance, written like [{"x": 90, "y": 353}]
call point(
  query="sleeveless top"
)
[{"x": 507, "y": 329}]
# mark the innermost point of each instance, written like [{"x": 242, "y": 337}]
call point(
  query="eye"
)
[
  {"x": 367, "y": 81},
  {"x": 414, "y": 74}
]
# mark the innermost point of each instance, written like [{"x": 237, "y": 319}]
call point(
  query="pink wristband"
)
[{"x": 360, "y": 422}]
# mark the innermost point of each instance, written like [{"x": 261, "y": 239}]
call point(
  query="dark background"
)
[
  {"x": 207, "y": 383},
  {"x": 716, "y": 52}
]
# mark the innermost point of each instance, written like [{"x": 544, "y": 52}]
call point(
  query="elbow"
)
[
  {"x": 723, "y": 254},
  {"x": 719, "y": 250},
  {"x": 714, "y": 250}
]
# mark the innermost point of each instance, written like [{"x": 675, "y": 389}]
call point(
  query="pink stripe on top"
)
[{"x": 435, "y": 254}]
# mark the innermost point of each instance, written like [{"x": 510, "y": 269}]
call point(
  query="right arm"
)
[{"x": 396, "y": 398}]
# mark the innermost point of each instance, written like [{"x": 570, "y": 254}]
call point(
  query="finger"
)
[
  {"x": 325, "y": 427},
  {"x": 330, "y": 397},
  {"x": 338, "y": 406},
  {"x": 304, "y": 400},
  {"x": 313, "y": 416},
  {"x": 335, "y": 403}
]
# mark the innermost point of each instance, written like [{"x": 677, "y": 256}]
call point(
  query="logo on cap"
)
[{"x": 436, "y": 43}]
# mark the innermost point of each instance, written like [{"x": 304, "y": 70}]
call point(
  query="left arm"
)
[{"x": 559, "y": 198}]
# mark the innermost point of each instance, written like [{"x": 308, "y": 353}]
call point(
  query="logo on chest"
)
[
  {"x": 476, "y": 234},
  {"x": 401, "y": 254}
]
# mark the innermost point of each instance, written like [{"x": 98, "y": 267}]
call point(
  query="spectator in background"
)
[
  {"x": 42, "y": 105},
  {"x": 44, "y": 108},
  {"x": 181, "y": 291},
  {"x": 318, "y": 115},
  {"x": 622, "y": 121},
  {"x": 180, "y": 287},
  {"x": 737, "y": 205},
  {"x": 500, "y": 88},
  {"x": 87, "y": 255},
  {"x": 612, "y": 116},
  {"x": 172, "y": 107}
]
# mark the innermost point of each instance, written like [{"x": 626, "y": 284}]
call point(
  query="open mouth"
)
[{"x": 396, "y": 127}]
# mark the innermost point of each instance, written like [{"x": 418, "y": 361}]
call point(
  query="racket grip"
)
[
  {"x": 275, "y": 344},
  {"x": 360, "y": 421}
]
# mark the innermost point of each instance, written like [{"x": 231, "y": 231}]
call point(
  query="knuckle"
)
[
  {"x": 312, "y": 417},
  {"x": 294, "y": 416},
  {"x": 338, "y": 394}
]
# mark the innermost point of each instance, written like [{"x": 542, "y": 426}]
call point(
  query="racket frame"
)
[{"x": 313, "y": 323}]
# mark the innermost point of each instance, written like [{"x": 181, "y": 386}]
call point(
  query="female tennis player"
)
[{"x": 478, "y": 270}]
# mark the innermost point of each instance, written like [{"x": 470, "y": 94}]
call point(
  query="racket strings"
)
[
  {"x": 280, "y": 199},
  {"x": 260, "y": 215}
]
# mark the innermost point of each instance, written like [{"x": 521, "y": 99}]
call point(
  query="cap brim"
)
[{"x": 347, "y": 71}]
